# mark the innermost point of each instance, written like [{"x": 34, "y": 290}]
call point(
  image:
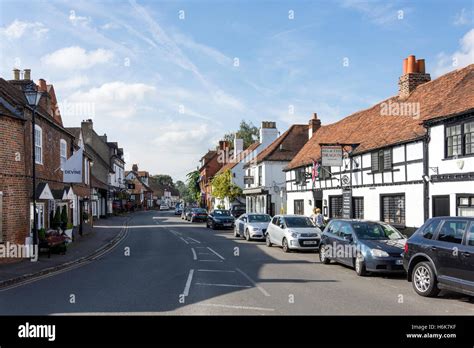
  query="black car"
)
[
  {"x": 220, "y": 218},
  {"x": 196, "y": 214},
  {"x": 367, "y": 246},
  {"x": 440, "y": 255},
  {"x": 238, "y": 210}
]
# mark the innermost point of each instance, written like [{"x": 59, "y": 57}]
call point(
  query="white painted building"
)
[{"x": 395, "y": 170}]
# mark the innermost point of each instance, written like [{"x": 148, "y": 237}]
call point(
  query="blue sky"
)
[{"x": 161, "y": 77}]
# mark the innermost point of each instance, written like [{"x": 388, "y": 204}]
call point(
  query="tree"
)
[
  {"x": 183, "y": 191},
  {"x": 193, "y": 185},
  {"x": 247, "y": 131},
  {"x": 222, "y": 186},
  {"x": 164, "y": 180}
]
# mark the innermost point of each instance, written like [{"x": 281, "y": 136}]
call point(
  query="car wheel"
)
[
  {"x": 424, "y": 280},
  {"x": 247, "y": 235},
  {"x": 268, "y": 242},
  {"x": 213, "y": 226},
  {"x": 286, "y": 248},
  {"x": 323, "y": 258},
  {"x": 359, "y": 266}
]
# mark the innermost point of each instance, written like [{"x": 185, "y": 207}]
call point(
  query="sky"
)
[{"x": 167, "y": 79}]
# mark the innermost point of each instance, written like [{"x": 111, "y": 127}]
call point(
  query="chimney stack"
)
[
  {"x": 135, "y": 168},
  {"x": 413, "y": 75},
  {"x": 238, "y": 146},
  {"x": 16, "y": 74},
  {"x": 268, "y": 133},
  {"x": 42, "y": 85},
  {"x": 314, "y": 125},
  {"x": 27, "y": 74}
]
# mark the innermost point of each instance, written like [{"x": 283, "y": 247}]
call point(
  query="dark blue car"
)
[{"x": 367, "y": 246}]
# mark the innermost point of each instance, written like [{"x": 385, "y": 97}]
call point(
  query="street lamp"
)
[{"x": 33, "y": 97}]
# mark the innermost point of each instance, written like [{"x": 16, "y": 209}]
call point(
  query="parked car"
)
[
  {"x": 197, "y": 214},
  {"x": 220, "y": 218},
  {"x": 185, "y": 212},
  {"x": 238, "y": 210},
  {"x": 367, "y": 246},
  {"x": 293, "y": 232},
  {"x": 440, "y": 255},
  {"x": 252, "y": 226},
  {"x": 164, "y": 207}
]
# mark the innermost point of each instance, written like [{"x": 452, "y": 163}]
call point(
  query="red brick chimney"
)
[
  {"x": 314, "y": 125},
  {"x": 135, "y": 168},
  {"x": 42, "y": 87},
  {"x": 413, "y": 75}
]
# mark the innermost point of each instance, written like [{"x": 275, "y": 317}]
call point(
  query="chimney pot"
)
[
  {"x": 421, "y": 66},
  {"x": 411, "y": 66},
  {"x": 16, "y": 74},
  {"x": 27, "y": 74},
  {"x": 405, "y": 66}
]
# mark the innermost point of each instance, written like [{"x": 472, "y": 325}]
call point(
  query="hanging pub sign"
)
[
  {"x": 72, "y": 170},
  {"x": 331, "y": 156}
]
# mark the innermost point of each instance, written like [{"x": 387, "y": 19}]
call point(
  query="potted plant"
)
[{"x": 42, "y": 234}]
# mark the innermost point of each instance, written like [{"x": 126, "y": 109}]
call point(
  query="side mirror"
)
[{"x": 282, "y": 226}]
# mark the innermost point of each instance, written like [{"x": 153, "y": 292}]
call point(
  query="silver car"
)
[
  {"x": 252, "y": 226},
  {"x": 293, "y": 232}
]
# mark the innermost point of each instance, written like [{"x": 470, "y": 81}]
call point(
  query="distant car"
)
[
  {"x": 293, "y": 232},
  {"x": 185, "y": 212},
  {"x": 238, "y": 210},
  {"x": 178, "y": 210},
  {"x": 252, "y": 226},
  {"x": 196, "y": 214},
  {"x": 367, "y": 246},
  {"x": 220, "y": 218},
  {"x": 440, "y": 255},
  {"x": 164, "y": 207}
]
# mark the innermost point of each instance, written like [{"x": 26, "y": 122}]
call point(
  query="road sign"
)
[{"x": 331, "y": 156}]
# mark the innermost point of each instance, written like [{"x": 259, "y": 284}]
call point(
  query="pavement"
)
[
  {"x": 104, "y": 235},
  {"x": 167, "y": 266}
]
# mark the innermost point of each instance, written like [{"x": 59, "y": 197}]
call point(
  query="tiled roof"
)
[
  {"x": 371, "y": 128},
  {"x": 286, "y": 146},
  {"x": 242, "y": 157}
]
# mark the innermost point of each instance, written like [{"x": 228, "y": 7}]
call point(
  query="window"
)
[
  {"x": 298, "y": 207},
  {"x": 62, "y": 152},
  {"x": 86, "y": 171},
  {"x": 38, "y": 145},
  {"x": 465, "y": 206},
  {"x": 345, "y": 230},
  {"x": 275, "y": 220},
  {"x": 460, "y": 139},
  {"x": 300, "y": 176},
  {"x": 39, "y": 216},
  {"x": 381, "y": 160},
  {"x": 430, "y": 229},
  {"x": 259, "y": 175},
  {"x": 470, "y": 235},
  {"x": 334, "y": 227},
  {"x": 358, "y": 207},
  {"x": 335, "y": 207},
  {"x": 452, "y": 231},
  {"x": 393, "y": 209}
]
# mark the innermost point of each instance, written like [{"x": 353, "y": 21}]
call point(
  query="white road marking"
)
[
  {"x": 140, "y": 226},
  {"x": 235, "y": 307},
  {"x": 225, "y": 285},
  {"x": 194, "y": 240},
  {"x": 210, "y": 260},
  {"x": 204, "y": 253},
  {"x": 194, "y": 254},
  {"x": 217, "y": 254},
  {"x": 184, "y": 240},
  {"x": 262, "y": 290},
  {"x": 110, "y": 226},
  {"x": 215, "y": 270},
  {"x": 188, "y": 283}
]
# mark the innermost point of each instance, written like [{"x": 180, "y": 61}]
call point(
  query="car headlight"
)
[
  {"x": 379, "y": 253},
  {"x": 294, "y": 234},
  {"x": 255, "y": 229}
]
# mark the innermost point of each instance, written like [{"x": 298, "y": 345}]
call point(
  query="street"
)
[{"x": 166, "y": 265}]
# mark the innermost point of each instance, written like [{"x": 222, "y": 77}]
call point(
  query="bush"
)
[
  {"x": 42, "y": 234},
  {"x": 64, "y": 219},
  {"x": 57, "y": 218}
]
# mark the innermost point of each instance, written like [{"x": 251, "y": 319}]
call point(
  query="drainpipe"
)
[{"x": 426, "y": 174}]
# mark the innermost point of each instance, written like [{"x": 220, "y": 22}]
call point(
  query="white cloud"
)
[
  {"x": 460, "y": 58},
  {"x": 76, "y": 58},
  {"x": 74, "y": 82},
  {"x": 78, "y": 20},
  {"x": 114, "y": 99},
  {"x": 19, "y": 28},
  {"x": 463, "y": 18},
  {"x": 380, "y": 13}
]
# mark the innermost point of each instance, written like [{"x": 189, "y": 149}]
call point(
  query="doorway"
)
[{"x": 441, "y": 205}]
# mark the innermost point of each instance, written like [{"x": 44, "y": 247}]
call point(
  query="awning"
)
[{"x": 43, "y": 191}]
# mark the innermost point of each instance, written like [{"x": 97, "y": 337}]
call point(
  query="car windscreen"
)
[
  {"x": 296, "y": 221},
  {"x": 376, "y": 231},
  {"x": 221, "y": 212},
  {"x": 259, "y": 218}
]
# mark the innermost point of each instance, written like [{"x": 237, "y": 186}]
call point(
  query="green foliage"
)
[
  {"x": 193, "y": 186},
  {"x": 222, "y": 186},
  {"x": 247, "y": 131},
  {"x": 69, "y": 226},
  {"x": 64, "y": 216},
  {"x": 42, "y": 234},
  {"x": 164, "y": 180},
  {"x": 57, "y": 218}
]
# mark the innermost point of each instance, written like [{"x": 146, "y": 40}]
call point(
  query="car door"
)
[
  {"x": 446, "y": 250},
  {"x": 467, "y": 260},
  {"x": 242, "y": 222},
  {"x": 345, "y": 238},
  {"x": 276, "y": 231},
  {"x": 330, "y": 239}
]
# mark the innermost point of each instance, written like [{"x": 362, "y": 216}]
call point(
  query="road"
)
[{"x": 168, "y": 266}]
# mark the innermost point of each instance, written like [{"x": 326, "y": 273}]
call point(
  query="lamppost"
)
[{"x": 33, "y": 97}]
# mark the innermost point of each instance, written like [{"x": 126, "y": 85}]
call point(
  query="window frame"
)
[
  {"x": 462, "y": 124},
  {"x": 382, "y": 165},
  {"x": 39, "y": 138},
  {"x": 62, "y": 142},
  {"x": 394, "y": 224},
  {"x": 298, "y": 202}
]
